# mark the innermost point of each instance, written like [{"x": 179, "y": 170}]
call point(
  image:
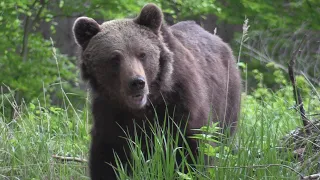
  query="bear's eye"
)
[
  {"x": 142, "y": 56},
  {"x": 115, "y": 59}
]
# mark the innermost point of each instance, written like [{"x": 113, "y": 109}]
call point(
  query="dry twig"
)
[
  {"x": 65, "y": 159},
  {"x": 313, "y": 176},
  {"x": 296, "y": 91}
]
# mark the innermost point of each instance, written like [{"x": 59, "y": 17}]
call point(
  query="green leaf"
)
[{"x": 184, "y": 176}]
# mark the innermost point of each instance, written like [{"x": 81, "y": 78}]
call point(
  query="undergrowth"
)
[{"x": 36, "y": 132}]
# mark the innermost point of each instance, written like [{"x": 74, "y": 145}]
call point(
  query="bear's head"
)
[{"x": 125, "y": 60}]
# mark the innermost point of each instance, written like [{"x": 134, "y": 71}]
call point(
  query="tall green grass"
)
[
  {"x": 252, "y": 153},
  {"x": 34, "y": 134},
  {"x": 28, "y": 141},
  {"x": 162, "y": 148}
]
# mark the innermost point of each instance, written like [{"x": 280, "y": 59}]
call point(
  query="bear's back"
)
[
  {"x": 213, "y": 59},
  {"x": 198, "y": 40}
]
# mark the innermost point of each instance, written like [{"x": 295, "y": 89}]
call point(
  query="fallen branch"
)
[
  {"x": 65, "y": 159},
  {"x": 313, "y": 176}
]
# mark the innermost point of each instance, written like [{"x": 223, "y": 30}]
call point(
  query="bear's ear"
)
[
  {"x": 151, "y": 17},
  {"x": 84, "y": 29}
]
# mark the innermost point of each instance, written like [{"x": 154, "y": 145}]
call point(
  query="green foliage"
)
[
  {"x": 308, "y": 92},
  {"x": 269, "y": 51},
  {"x": 129, "y": 8},
  {"x": 272, "y": 14},
  {"x": 100, "y": 8},
  {"x": 180, "y": 10},
  {"x": 27, "y": 63}
]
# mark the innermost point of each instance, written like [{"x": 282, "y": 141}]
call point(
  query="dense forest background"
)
[{"x": 44, "y": 103}]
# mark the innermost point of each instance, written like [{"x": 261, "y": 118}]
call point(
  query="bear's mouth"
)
[{"x": 137, "y": 101}]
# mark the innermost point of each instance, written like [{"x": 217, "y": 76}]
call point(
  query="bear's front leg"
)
[{"x": 101, "y": 156}]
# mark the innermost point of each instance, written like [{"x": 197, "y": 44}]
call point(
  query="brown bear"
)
[{"x": 136, "y": 67}]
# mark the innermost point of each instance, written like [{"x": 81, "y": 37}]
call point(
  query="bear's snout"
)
[
  {"x": 137, "y": 92},
  {"x": 137, "y": 83}
]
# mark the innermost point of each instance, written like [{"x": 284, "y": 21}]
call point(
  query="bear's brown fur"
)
[{"x": 135, "y": 65}]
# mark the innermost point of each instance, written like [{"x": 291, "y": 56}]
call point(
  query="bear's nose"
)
[{"x": 137, "y": 83}]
